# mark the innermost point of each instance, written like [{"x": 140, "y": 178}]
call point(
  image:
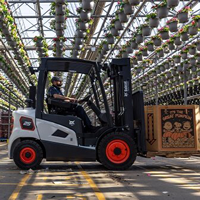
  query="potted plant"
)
[
  {"x": 117, "y": 23},
  {"x": 160, "y": 52},
  {"x": 126, "y": 7},
  {"x": 121, "y": 15},
  {"x": 134, "y": 60},
  {"x": 184, "y": 33},
  {"x": 84, "y": 15},
  {"x": 104, "y": 44},
  {"x": 184, "y": 53},
  {"x": 138, "y": 55},
  {"x": 149, "y": 45},
  {"x": 177, "y": 58},
  {"x": 109, "y": 37},
  {"x": 173, "y": 24},
  {"x": 79, "y": 34},
  {"x": 83, "y": 26},
  {"x": 196, "y": 18},
  {"x": 87, "y": 4},
  {"x": 192, "y": 49},
  {"x": 198, "y": 44},
  {"x": 193, "y": 29},
  {"x": 113, "y": 30},
  {"x": 143, "y": 49},
  {"x": 177, "y": 39},
  {"x": 171, "y": 44},
  {"x": 153, "y": 20},
  {"x": 146, "y": 31},
  {"x": 134, "y": 44},
  {"x": 162, "y": 10},
  {"x": 180, "y": 68},
  {"x": 185, "y": 64},
  {"x": 153, "y": 73},
  {"x": 124, "y": 53},
  {"x": 192, "y": 61},
  {"x": 156, "y": 40},
  {"x": 128, "y": 47},
  {"x": 164, "y": 32},
  {"x": 183, "y": 14},
  {"x": 172, "y": 3},
  {"x": 166, "y": 64},
  {"x": 197, "y": 55},
  {"x": 139, "y": 37},
  {"x": 161, "y": 67},
  {"x": 138, "y": 69},
  {"x": 134, "y": 2}
]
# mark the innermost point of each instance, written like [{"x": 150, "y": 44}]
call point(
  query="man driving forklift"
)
[{"x": 55, "y": 92}]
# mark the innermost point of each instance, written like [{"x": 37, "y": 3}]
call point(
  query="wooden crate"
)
[{"x": 172, "y": 128}]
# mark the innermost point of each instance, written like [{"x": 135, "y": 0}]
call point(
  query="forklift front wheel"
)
[
  {"x": 28, "y": 154},
  {"x": 117, "y": 151}
]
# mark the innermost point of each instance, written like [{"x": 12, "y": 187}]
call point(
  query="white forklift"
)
[{"x": 39, "y": 134}]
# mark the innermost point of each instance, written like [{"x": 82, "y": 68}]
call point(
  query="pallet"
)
[{"x": 170, "y": 154}]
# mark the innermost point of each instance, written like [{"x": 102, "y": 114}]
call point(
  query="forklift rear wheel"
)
[
  {"x": 28, "y": 154},
  {"x": 117, "y": 151}
]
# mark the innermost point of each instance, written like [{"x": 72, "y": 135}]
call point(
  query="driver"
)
[{"x": 55, "y": 92}]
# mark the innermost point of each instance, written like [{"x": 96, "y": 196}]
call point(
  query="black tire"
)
[
  {"x": 28, "y": 154},
  {"x": 128, "y": 145}
]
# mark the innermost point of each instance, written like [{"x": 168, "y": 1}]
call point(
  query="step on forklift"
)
[{"x": 47, "y": 134}]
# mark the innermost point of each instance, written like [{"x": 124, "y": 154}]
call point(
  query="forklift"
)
[{"x": 46, "y": 134}]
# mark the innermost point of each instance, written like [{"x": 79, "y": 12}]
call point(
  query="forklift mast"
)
[{"x": 120, "y": 74}]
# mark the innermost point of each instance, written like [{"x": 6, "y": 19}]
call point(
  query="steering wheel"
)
[{"x": 85, "y": 99}]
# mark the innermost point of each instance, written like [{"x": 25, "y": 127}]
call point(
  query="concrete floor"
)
[{"x": 148, "y": 179}]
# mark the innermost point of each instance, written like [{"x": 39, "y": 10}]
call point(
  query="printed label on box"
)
[{"x": 177, "y": 128}]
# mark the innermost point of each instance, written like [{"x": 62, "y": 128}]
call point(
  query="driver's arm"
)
[{"x": 58, "y": 96}]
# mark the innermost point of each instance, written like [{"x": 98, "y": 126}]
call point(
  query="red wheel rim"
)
[
  {"x": 27, "y": 155},
  {"x": 117, "y": 151}
]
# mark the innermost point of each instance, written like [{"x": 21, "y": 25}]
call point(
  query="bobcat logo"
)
[
  {"x": 72, "y": 123},
  {"x": 26, "y": 123}
]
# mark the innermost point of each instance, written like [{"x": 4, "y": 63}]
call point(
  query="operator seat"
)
[{"x": 58, "y": 106}]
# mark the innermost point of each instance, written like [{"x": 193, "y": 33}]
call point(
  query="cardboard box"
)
[{"x": 172, "y": 128}]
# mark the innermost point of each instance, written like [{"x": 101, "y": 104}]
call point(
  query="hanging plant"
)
[
  {"x": 139, "y": 37},
  {"x": 113, "y": 30},
  {"x": 177, "y": 58},
  {"x": 173, "y": 24},
  {"x": 162, "y": 10},
  {"x": 84, "y": 15},
  {"x": 156, "y": 40},
  {"x": 172, "y": 3},
  {"x": 117, "y": 23},
  {"x": 171, "y": 44},
  {"x": 134, "y": 44},
  {"x": 197, "y": 55},
  {"x": 143, "y": 49},
  {"x": 192, "y": 61},
  {"x": 164, "y": 32},
  {"x": 149, "y": 45},
  {"x": 185, "y": 64},
  {"x": 146, "y": 31},
  {"x": 153, "y": 20},
  {"x": 121, "y": 15},
  {"x": 110, "y": 38},
  {"x": 192, "y": 49},
  {"x": 198, "y": 44},
  {"x": 183, "y": 14},
  {"x": 177, "y": 39},
  {"x": 146, "y": 63},
  {"x": 125, "y": 5},
  {"x": 160, "y": 52},
  {"x": 134, "y": 60},
  {"x": 196, "y": 18},
  {"x": 184, "y": 33},
  {"x": 193, "y": 28},
  {"x": 138, "y": 54},
  {"x": 128, "y": 47},
  {"x": 87, "y": 5},
  {"x": 184, "y": 53}
]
